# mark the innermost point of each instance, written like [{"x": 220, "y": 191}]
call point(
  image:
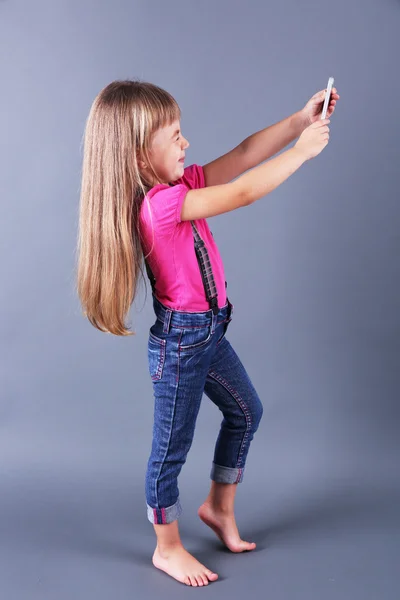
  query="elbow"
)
[
  {"x": 243, "y": 194},
  {"x": 246, "y": 198}
]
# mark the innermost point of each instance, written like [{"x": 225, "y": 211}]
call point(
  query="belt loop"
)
[{"x": 167, "y": 320}]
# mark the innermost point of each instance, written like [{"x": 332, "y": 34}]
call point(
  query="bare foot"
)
[
  {"x": 224, "y": 526},
  {"x": 181, "y": 565}
]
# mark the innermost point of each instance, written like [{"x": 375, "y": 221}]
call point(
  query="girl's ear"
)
[{"x": 141, "y": 162}]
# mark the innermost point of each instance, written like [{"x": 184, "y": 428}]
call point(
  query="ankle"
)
[
  {"x": 168, "y": 538},
  {"x": 166, "y": 549},
  {"x": 221, "y": 497},
  {"x": 224, "y": 509}
]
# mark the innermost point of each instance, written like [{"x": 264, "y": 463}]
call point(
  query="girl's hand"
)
[
  {"x": 313, "y": 109},
  {"x": 313, "y": 139}
]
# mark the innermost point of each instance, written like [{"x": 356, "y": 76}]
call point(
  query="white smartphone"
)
[{"x": 331, "y": 81}]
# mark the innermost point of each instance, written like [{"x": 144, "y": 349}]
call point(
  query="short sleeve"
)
[
  {"x": 166, "y": 201},
  {"x": 166, "y": 205},
  {"x": 193, "y": 177}
]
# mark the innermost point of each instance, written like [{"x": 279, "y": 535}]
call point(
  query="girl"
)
[{"x": 139, "y": 201}]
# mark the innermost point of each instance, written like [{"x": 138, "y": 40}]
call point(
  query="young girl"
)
[{"x": 138, "y": 201}]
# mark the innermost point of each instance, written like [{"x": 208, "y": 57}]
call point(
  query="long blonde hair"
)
[{"x": 118, "y": 132}]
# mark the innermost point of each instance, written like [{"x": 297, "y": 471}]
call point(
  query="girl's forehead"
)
[
  {"x": 172, "y": 127},
  {"x": 167, "y": 131}
]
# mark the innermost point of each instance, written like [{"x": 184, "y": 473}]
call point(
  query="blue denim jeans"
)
[{"x": 188, "y": 355}]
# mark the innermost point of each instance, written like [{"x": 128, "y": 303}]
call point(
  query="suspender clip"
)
[{"x": 214, "y": 305}]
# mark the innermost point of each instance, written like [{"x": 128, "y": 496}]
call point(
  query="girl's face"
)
[{"x": 167, "y": 152}]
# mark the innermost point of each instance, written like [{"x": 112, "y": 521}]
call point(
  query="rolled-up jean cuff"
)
[
  {"x": 222, "y": 474},
  {"x": 163, "y": 516}
]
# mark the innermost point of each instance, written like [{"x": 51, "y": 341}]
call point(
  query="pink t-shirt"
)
[{"x": 173, "y": 260}]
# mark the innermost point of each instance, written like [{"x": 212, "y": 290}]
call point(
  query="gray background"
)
[{"x": 312, "y": 269}]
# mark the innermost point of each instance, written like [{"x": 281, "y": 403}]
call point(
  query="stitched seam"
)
[
  {"x": 170, "y": 433},
  {"x": 242, "y": 405},
  {"x": 188, "y": 312},
  {"x": 179, "y": 356},
  {"x": 195, "y": 326},
  {"x": 198, "y": 345}
]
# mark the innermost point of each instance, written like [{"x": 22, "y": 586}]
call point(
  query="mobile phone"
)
[{"x": 331, "y": 81}]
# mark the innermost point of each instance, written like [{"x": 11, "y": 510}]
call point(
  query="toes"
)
[
  {"x": 249, "y": 545},
  {"x": 199, "y": 580},
  {"x": 204, "y": 579},
  {"x": 193, "y": 581},
  {"x": 242, "y": 546},
  {"x": 212, "y": 576}
]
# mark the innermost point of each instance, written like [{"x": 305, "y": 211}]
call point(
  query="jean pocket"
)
[
  {"x": 194, "y": 337},
  {"x": 156, "y": 356}
]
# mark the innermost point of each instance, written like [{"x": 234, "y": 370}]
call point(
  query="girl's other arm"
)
[
  {"x": 254, "y": 150},
  {"x": 218, "y": 199}
]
